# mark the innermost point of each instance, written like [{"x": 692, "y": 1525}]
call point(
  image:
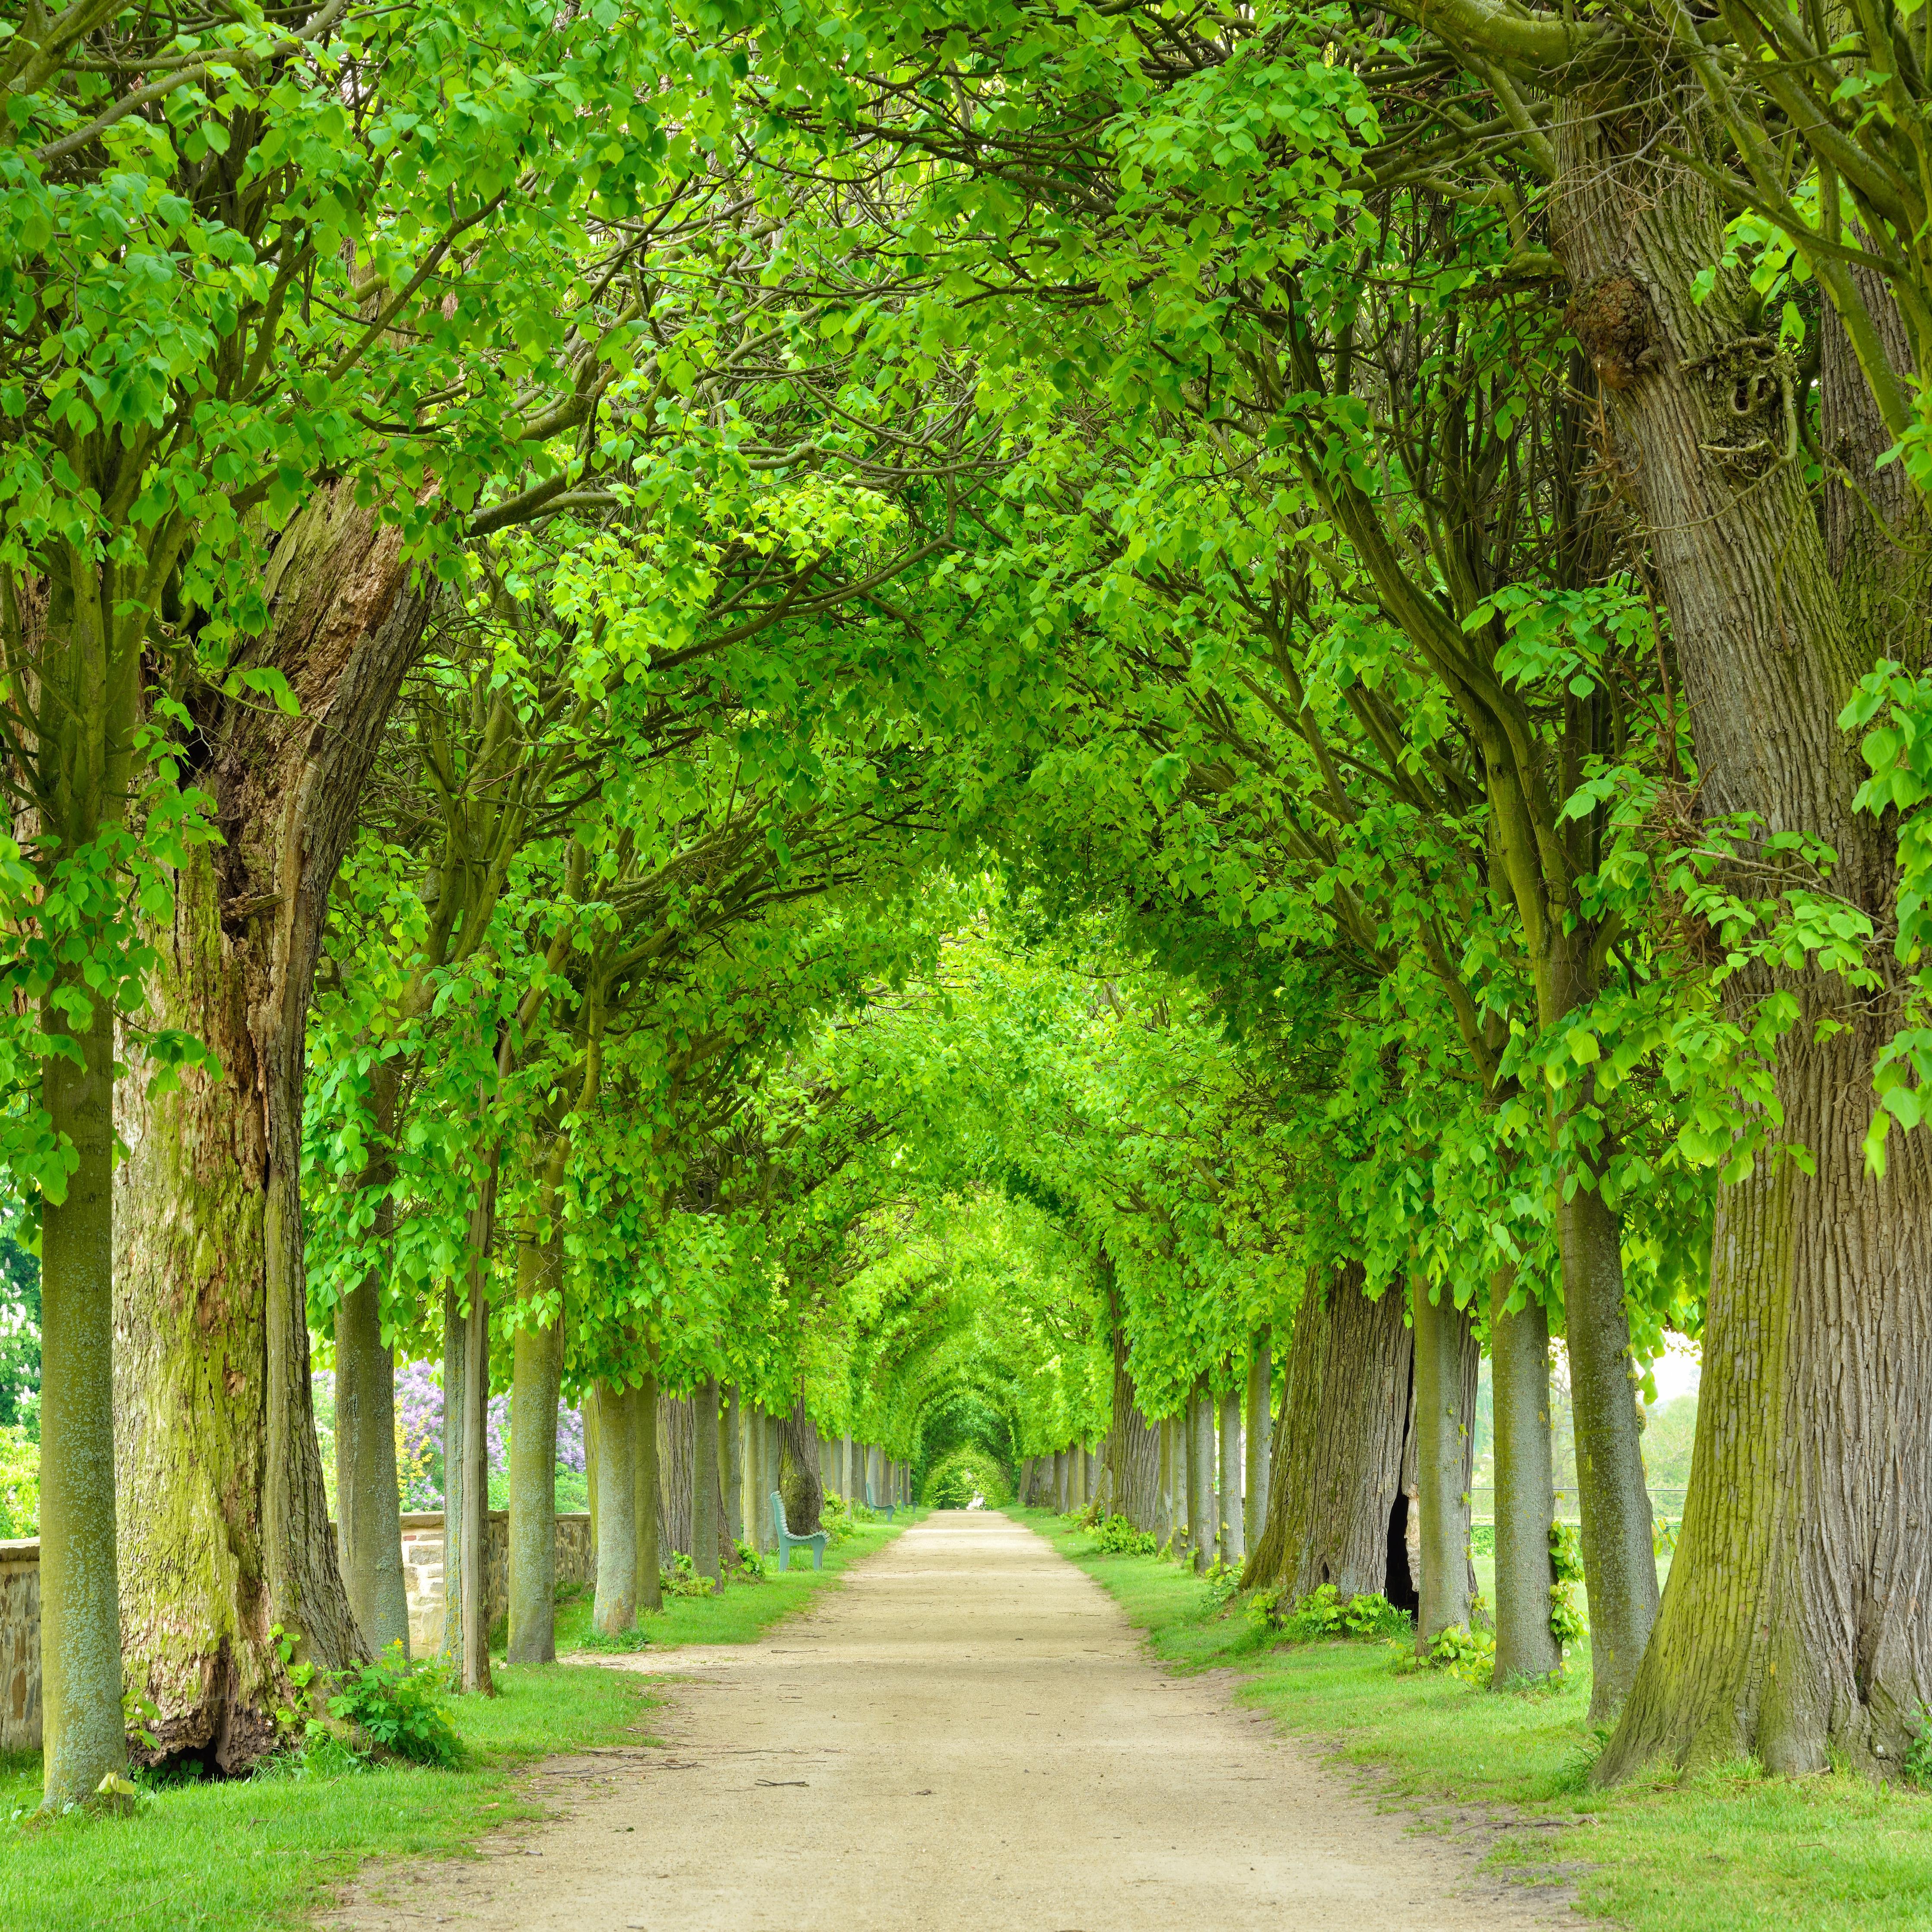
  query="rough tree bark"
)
[
  {"x": 1525, "y": 1485},
  {"x": 224, "y": 1527},
  {"x": 802, "y": 1487},
  {"x": 1133, "y": 1446},
  {"x": 677, "y": 1451},
  {"x": 1337, "y": 1474},
  {"x": 1796, "y": 1622}
]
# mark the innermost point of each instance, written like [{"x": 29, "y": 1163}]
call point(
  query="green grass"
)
[
  {"x": 743, "y": 1613},
  {"x": 262, "y": 1852},
  {"x": 1729, "y": 1851}
]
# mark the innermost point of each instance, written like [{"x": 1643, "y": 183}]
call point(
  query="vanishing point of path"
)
[{"x": 967, "y": 1735}]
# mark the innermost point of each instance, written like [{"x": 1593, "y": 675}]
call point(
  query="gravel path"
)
[{"x": 967, "y": 1735}]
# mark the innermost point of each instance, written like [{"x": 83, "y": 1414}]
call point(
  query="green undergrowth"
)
[
  {"x": 264, "y": 1851},
  {"x": 1730, "y": 1850}
]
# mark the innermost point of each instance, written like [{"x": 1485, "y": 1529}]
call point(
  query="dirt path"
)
[{"x": 967, "y": 1735}]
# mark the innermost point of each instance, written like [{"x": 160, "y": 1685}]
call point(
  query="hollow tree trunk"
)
[
  {"x": 368, "y": 1508},
  {"x": 615, "y": 1610},
  {"x": 224, "y": 1527},
  {"x": 704, "y": 1481},
  {"x": 650, "y": 1580},
  {"x": 1336, "y": 1474},
  {"x": 1525, "y": 1485},
  {"x": 1259, "y": 1432},
  {"x": 83, "y": 1735},
  {"x": 1447, "y": 1361},
  {"x": 537, "y": 1373},
  {"x": 1233, "y": 1547}
]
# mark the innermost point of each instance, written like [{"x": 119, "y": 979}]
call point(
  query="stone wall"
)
[{"x": 422, "y": 1569}]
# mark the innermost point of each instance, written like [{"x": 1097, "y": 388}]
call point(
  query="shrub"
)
[
  {"x": 1470, "y": 1654},
  {"x": 402, "y": 1708},
  {"x": 1566, "y": 1559},
  {"x": 1918, "y": 1764},
  {"x": 1118, "y": 1537},
  {"x": 20, "y": 1483},
  {"x": 1325, "y": 1613},
  {"x": 682, "y": 1580}
]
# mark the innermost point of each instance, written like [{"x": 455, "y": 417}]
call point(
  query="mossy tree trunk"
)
[
  {"x": 1336, "y": 1476},
  {"x": 1525, "y": 1485},
  {"x": 1796, "y": 1624},
  {"x": 223, "y": 1526},
  {"x": 734, "y": 1466}
]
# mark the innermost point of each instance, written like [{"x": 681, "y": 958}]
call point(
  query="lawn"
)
[
  {"x": 264, "y": 1851},
  {"x": 1731, "y": 1851}
]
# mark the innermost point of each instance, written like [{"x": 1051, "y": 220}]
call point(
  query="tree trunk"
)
[
  {"x": 646, "y": 1496},
  {"x": 615, "y": 1610},
  {"x": 1526, "y": 1486},
  {"x": 82, "y": 1738},
  {"x": 1445, "y": 1439},
  {"x": 475, "y": 1593},
  {"x": 223, "y": 1522},
  {"x": 1200, "y": 1505},
  {"x": 734, "y": 1470},
  {"x": 704, "y": 1481},
  {"x": 1335, "y": 1513},
  {"x": 1169, "y": 1519},
  {"x": 1233, "y": 1549},
  {"x": 538, "y": 1375},
  {"x": 803, "y": 1488},
  {"x": 1133, "y": 1447},
  {"x": 368, "y": 1507},
  {"x": 455, "y": 1476},
  {"x": 677, "y": 1451},
  {"x": 1795, "y": 1623},
  {"x": 1260, "y": 1431}
]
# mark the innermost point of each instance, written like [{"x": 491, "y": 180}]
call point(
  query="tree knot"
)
[
  {"x": 1753, "y": 383},
  {"x": 1614, "y": 322}
]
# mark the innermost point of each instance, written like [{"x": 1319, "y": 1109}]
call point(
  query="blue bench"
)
[
  {"x": 879, "y": 1509},
  {"x": 787, "y": 1543}
]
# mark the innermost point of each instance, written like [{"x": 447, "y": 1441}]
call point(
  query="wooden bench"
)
[
  {"x": 787, "y": 1543},
  {"x": 879, "y": 1509}
]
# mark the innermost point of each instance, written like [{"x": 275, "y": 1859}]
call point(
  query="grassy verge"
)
[
  {"x": 1730, "y": 1851},
  {"x": 263, "y": 1852},
  {"x": 742, "y": 1613}
]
